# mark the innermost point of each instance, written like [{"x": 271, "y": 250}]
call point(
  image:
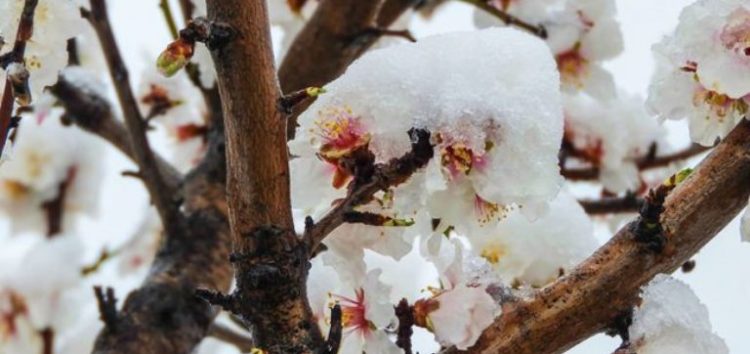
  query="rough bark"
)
[
  {"x": 270, "y": 260},
  {"x": 588, "y": 300}
]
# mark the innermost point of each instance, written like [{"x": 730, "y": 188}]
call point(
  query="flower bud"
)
[{"x": 175, "y": 57}]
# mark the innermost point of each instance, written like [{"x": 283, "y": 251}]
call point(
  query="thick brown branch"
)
[
  {"x": 646, "y": 162},
  {"x": 271, "y": 263},
  {"x": 163, "y": 315},
  {"x": 161, "y": 193},
  {"x": 339, "y": 32},
  {"x": 361, "y": 191},
  {"x": 590, "y": 298},
  {"x": 25, "y": 30}
]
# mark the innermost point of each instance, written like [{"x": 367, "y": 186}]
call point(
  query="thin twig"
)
[
  {"x": 107, "y": 307},
  {"x": 241, "y": 341},
  {"x": 24, "y": 33},
  {"x": 333, "y": 342},
  {"x": 405, "y": 315},
  {"x": 629, "y": 203},
  {"x": 646, "y": 162},
  {"x": 168, "y": 17},
  {"x": 509, "y": 19},
  {"x": 386, "y": 175},
  {"x": 48, "y": 340},
  {"x": 160, "y": 191}
]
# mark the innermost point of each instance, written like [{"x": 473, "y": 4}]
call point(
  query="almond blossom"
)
[
  {"x": 479, "y": 135},
  {"x": 39, "y": 290},
  {"x": 55, "y": 21},
  {"x": 49, "y": 161},
  {"x": 612, "y": 135},
  {"x": 175, "y": 104},
  {"x": 580, "y": 33},
  {"x": 458, "y": 312},
  {"x": 366, "y": 313},
  {"x": 536, "y": 252},
  {"x": 703, "y": 69},
  {"x": 671, "y": 320}
]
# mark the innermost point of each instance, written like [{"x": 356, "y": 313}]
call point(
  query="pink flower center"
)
[
  {"x": 735, "y": 35},
  {"x": 353, "y": 312},
  {"x": 572, "y": 66},
  {"x": 342, "y": 134},
  {"x": 458, "y": 159}
]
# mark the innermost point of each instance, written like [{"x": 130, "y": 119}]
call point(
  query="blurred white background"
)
[{"x": 719, "y": 278}]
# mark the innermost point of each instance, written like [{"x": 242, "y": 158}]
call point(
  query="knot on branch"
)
[
  {"x": 107, "y": 307},
  {"x": 213, "y": 34},
  {"x": 648, "y": 228},
  {"x": 287, "y": 103},
  {"x": 333, "y": 342}
]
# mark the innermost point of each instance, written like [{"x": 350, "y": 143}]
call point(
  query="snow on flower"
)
[
  {"x": 612, "y": 135},
  {"x": 671, "y": 320},
  {"x": 55, "y": 21},
  {"x": 49, "y": 162},
  {"x": 536, "y": 252},
  {"x": 581, "y": 34},
  {"x": 490, "y": 93},
  {"x": 703, "y": 69}
]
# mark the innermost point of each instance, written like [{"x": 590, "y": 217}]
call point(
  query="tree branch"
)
[
  {"x": 337, "y": 34},
  {"x": 589, "y": 299},
  {"x": 508, "y": 19},
  {"x": 270, "y": 261},
  {"x": 161, "y": 193},
  {"x": 629, "y": 203},
  {"x": 362, "y": 189},
  {"x": 645, "y": 162},
  {"x": 163, "y": 315},
  {"x": 23, "y": 34}
]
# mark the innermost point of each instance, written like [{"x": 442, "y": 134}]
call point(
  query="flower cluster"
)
[
  {"x": 612, "y": 135},
  {"x": 703, "y": 69},
  {"x": 580, "y": 33},
  {"x": 55, "y": 21},
  {"x": 490, "y": 93},
  {"x": 49, "y": 163}
]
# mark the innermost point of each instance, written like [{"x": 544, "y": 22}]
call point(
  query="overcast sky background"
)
[{"x": 719, "y": 278}]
